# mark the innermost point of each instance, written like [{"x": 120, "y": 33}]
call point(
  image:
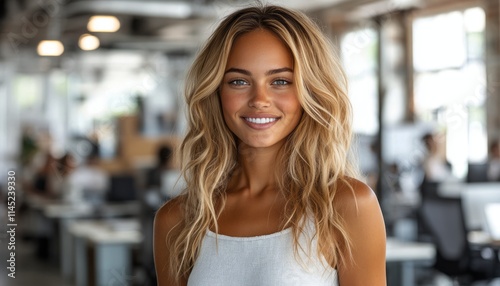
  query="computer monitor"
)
[
  {"x": 121, "y": 188},
  {"x": 478, "y": 172},
  {"x": 492, "y": 214},
  {"x": 475, "y": 197}
]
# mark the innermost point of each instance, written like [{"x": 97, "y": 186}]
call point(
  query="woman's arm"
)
[
  {"x": 365, "y": 225},
  {"x": 167, "y": 218}
]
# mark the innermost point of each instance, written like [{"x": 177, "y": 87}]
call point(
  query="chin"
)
[{"x": 261, "y": 144}]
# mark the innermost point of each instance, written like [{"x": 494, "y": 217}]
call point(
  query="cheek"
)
[
  {"x": 230, "y": 106},
  {"x": 291, "y": 105},
  {"x": 231, "y": 102},
  {"x": 293, "y": 108}
]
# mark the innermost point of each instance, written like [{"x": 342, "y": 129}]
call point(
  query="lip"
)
[
  {"x": 260, "y": 126},
  {"x": 260, "y": 115}
]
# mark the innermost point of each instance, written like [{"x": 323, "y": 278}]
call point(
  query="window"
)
[
  {"x": 359, "y": 55},
  {"x": 450, "y": 81}
]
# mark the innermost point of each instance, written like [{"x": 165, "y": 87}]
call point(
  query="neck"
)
[{"x": 257, "y": 170}]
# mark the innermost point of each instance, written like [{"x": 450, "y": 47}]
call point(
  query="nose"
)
[{"x": 260, "y": 98}]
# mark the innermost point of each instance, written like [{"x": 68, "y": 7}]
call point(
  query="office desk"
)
[
  {"x": 103, "y": 250},
  {"x": 64, "y": 213},
  {"x": 482, "y": 238},
  {"x": 455, "y": 189},
  {"x": 408, "y": 253},
  {"x": 61, "y": 210}
]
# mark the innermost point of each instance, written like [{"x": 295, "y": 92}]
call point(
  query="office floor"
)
[{"x": 29, "y": 270}]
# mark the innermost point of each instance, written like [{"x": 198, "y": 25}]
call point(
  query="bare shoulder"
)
[
  {"x": 359, "y": 207},
  {"x": 167, "y": 222},
  {"x": 170, "y": 214},
  {"x": 354, "y": 196},
  {"x": 360, "y": 210}
]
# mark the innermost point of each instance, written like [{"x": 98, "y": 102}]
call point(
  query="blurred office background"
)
[{"x": 91, "y": 113}]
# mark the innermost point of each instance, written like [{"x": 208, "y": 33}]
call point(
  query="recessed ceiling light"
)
[
  {"x": 88, "y": 42},
  {"x": 50, "y": 48},
  {"x": 103, "y": 24}
]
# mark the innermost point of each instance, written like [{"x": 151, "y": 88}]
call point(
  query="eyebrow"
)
[{"x": 269, "y": 72}]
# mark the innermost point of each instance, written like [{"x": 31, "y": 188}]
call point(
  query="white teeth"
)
[{"x": 260, "y": 120}]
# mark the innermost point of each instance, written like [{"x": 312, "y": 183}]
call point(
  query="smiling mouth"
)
[{"x": 260, "y": 120}]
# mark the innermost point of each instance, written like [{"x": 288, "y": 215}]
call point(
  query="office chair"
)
[{"x": 444, "y": 220}]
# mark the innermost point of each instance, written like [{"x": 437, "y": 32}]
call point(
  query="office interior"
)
[{"x": 92, "y": 113}]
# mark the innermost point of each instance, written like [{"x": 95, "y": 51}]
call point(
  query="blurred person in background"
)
[
  {"x": 494, "y": 161},
  {"x": 163, "y": 163},
  {"x": 42, "y": 187},
  {"x": 164, "y": 180},
  {"x": 160, "y": 185},
  {"x": 436, "y": 168},
  {"x": 270, "y": 196},
  {"x": 42, "y": 182},
  {"x": 64, "y": 167}
]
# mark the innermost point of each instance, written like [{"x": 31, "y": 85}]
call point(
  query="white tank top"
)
[{"x": 266, "y": 260}]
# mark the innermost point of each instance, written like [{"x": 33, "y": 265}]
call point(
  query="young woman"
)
[{"x": 271, "y": 197}]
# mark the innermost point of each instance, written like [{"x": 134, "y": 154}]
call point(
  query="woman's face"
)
[{"x": 258, "y": 95}]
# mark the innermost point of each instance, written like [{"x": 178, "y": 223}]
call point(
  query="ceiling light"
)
[
  {"x": 50, "y": 48},
  {"x": 88, "y": 42},
  {"x": 103, "y": 24}
]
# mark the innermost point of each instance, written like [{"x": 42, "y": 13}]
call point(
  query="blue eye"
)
[
  {"x": 281, "y": 82},
  {"x": 238, "y": 82}
]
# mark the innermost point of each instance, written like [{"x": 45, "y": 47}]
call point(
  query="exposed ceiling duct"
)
[
  {"x": 167, "y": 9},
  {"x": 145, "y": 24}
]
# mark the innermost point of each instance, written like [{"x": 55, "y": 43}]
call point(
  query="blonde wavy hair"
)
[{"x": 315, "y": 158}]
